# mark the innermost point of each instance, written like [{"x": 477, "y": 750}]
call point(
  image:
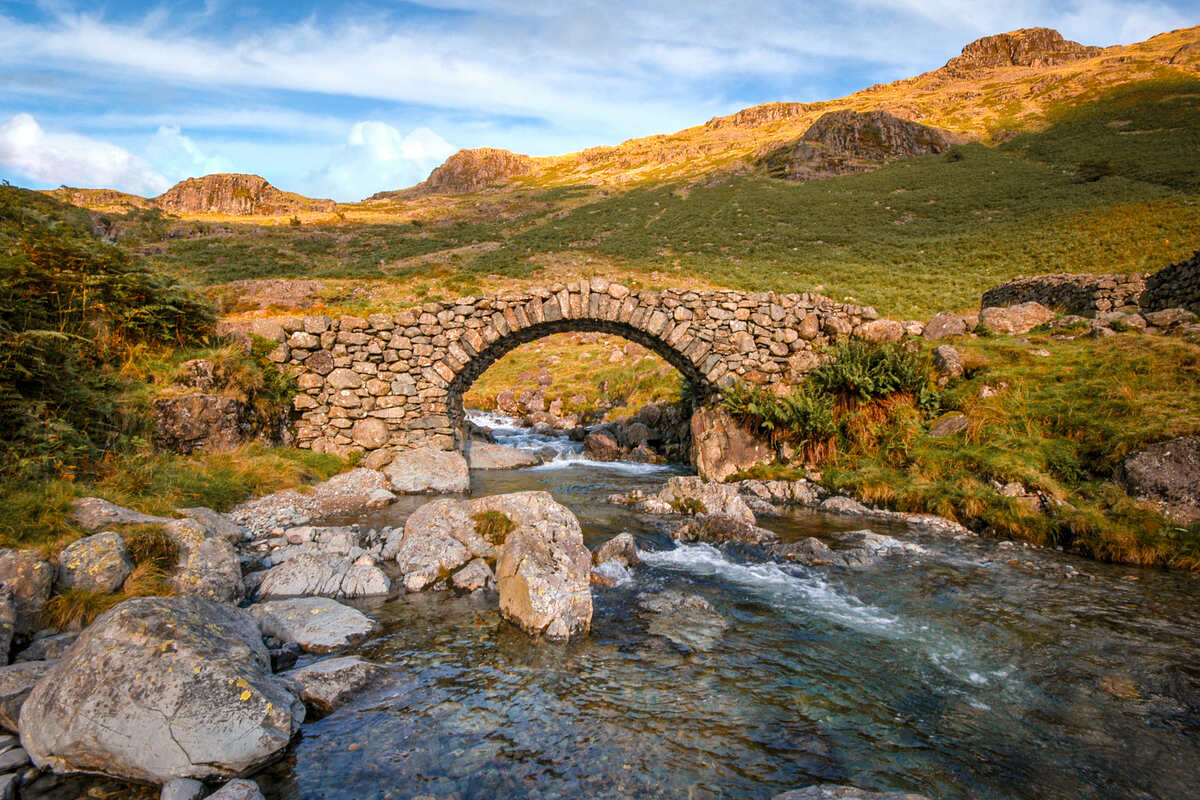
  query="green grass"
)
[{"x": 1059, "y": 425}]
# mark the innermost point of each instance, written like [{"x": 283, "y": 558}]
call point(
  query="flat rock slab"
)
[
  {"x": 481, "y": 455},
  {"x": 160, "y": 688},
  {"x": 428, "y": 470},
  {"x": 94, "y": 513},
  {"x": 330, "y": 683},
  {"x": 317, "y": 624},
  {"x": 346, "y": 495}
]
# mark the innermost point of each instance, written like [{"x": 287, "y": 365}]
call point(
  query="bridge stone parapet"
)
[{"x": 396, "y": 380}]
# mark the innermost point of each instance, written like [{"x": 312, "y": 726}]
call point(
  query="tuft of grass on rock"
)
[{"x": 493, "y": 526}]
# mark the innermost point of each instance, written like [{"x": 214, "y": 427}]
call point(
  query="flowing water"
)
[{"x": 965, "y": 671}]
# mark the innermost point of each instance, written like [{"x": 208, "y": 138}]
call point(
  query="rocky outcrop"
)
[
  {"x": 317, "y": 624},
  {"x": 846, "y": 142},
  {"x": 475, "y": 170},
  {"x": 1168, "y": 475},
  {"x": 207, "y": 422},
  {"x": 1026, "y": 47},
  {"x": 325, "y": 685},
  {"x": 240, "y": 195},
  {"x": 97, "y": 563},
  {"x": 428, "y": 470},
  {"x": 722, "y": 446},
  {"x": 160, "y": 688},
  {"x": 542, "y": 573}
]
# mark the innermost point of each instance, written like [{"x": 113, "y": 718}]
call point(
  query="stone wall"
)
[
  {"x": 393, "y": 381},
  {"x": 1086, "y": 295},
  {"x": 1177, "y": 286}
]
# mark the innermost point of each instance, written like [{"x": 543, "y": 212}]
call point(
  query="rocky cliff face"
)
[
  {"x": 235, "y": 194},
  {"x": 844, "y": 142},
  {"x": 473, "y": 170},
  {"x": 1027, "y": 47}
]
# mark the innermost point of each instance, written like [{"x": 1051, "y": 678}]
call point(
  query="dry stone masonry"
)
[
  {"x": 1177, "y": 286},
  {"x": 396, "y": 381}
]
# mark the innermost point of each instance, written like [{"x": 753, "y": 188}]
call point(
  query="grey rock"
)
[
  {"x": 858, "y": 549},
  {"x": 481, "y": 455},
  {"x": 1015, "y": 320},
  {"x": 325, "y": 685},
  {"x": 722, "y": 446},
  {"x": 788, "y": 493},
  {"x": 8, "y": 785},
  {"x": 428, "y": 470},
  {"x": 94, "y": 513},
  {"x": 182, "y": 789},
  {"x": 438, "y": 538},
  {"x": 543, "y": 570},
  {"x": 47, "y": 647},
  {"x": 16, "y": 682},
  {"x": 622, "y": 549},
  {"x": 97, "y": 563},
  {"x": 948, "y": 424},
  {"x": 323, "y": 575},
  {"x": 694, "y": 495},
  {"x": 947, "y": 362},
  {"x": 29, "y": 579},
  {"x": 347, "y": 495},
  {"x": 161, "y": 688},
  {"x": 220, "y": 524},
  {"x": 13, "y": 759},
  {"x": 720, "y": 528},
  {"x": 317, "y": 624},
  {"x": 208, "y": 564},
  {"x": 8, "y": 622},
  {"x": 1169, "y": 317},
  {"x": 238, "y": 789},
  {"x": 843, "y": 505}
]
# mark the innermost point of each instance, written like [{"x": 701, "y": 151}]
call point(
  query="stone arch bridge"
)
[{"x": 397, "y": 380}]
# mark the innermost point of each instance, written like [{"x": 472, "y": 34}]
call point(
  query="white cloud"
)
[
  {"x": 73, "y": 160},
  {"x": 377, "y": 157},
  {"x": 178, "y": 157}
]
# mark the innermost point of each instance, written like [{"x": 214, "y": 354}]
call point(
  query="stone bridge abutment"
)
[{"x": 395, "y": 381}]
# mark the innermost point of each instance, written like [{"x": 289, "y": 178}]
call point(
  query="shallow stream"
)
[{"x": 966, "y": 671}]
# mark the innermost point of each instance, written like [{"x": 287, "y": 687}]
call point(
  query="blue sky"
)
[{"x": 343, "y": 100}]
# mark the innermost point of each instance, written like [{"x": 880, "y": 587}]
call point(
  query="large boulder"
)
[
  {"x": 160, "y": 688},
  {"x": 438, "y": 538},
  {"x": 481, "y": 455},
  {"x": 428, "y": 470},
  {"x": 621, "y": 549},
  {"x": 600, "y": 446},
  {"x": 16, "y": 682},
  {"x": 317, "y": 624},
  {"x": 29, "y": 579},
  {"x": 207, "y": 422},
  {"x": 1167, "y": 474},
  {"x": 543, "y": 569},
  {"x": 208, "y": 564},
  {"x": 1015, "y": 320},
  {"x": 722, "y": 446},
  {"x": 96, "y": 563},
  {"x": 327, "y": 684},
  {"x": 94, "y": 513},
  {"x": 943, "y": 325},
  {"x": 349, "y": 494}
]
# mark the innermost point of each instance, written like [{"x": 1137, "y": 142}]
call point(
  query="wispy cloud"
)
[{"x": 375, "y": 156}]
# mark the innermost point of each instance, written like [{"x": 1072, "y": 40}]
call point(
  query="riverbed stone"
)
[
  {"x": 325, "y": 685},
  {"x": 832, "y": 791},
  {"x": 239, "y": 789},
  {"x": 424, "y": 470},
  {"x": 686, "y": 619},
  {"x": 317, "y": 624},
  {"x": 720, "y": 528},
  {"x": 437, "y": 539},
  {"x": 542, "y": 573},
  {"x": 621, "y": 549},
  {"x": 96, "y": 563},
  {"x": 160, "y": 688},
  {"x": 692, "y": 494},
  {"x": 182, "y": 789}
]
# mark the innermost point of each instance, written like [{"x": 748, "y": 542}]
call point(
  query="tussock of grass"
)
[
  {"x": 493, "y": 526},
  {"x": 152, "y": 547},
  {"x": 77, "y": 608}
]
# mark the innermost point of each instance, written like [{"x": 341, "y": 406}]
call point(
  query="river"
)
[{"x": 969, "y": 670}]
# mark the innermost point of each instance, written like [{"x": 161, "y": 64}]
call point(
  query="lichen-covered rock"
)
[
  {"x": 482, "y": 455},
  {"x": 220, "y": 524},
  {"x": 438, "y": 538},
  {"x": 316, "y": 575},
  {"x": 327, "y": 684},
  {"x": 16, "y": 682},
  {"x": 693, "y": 495},
  {"x": 543, "y": 569},
  {"x": 720, "y": 528},
  {"x": 30, "y": 580},
  {"x": 208, "y": 422},
  {"x": 428, "y": 470},
  {"x": 476, "y": 575},
  {"x": 1015, "y": 320},
  {"x": 208, "y": 564},
  {"x": 881, "y": 331},
  {"x": 786, "y": 493},
  {"x": 349, "y": 494},
  {"x": 96, "y": 563},
  {"x": 317, "y": 624},
  {"x": 161, "y": 688}
]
